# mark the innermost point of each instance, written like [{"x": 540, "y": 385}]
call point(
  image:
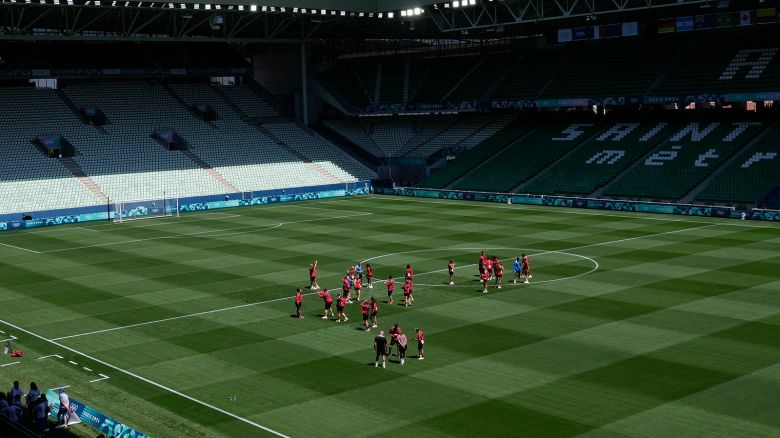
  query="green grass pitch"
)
[{"x": 633, "y": 325}]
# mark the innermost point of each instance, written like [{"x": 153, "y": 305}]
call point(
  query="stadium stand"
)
[
  {"x": 601, "y": 158},
  {"x": 726, "y": 64},
  {"x": 526, "y": 157},
  {"x": 443, "y": 76},
  {"x": 245, "y": 99},
  {"x": 472, "y": 157},
  {"x": 529, "y": 76},
  {"x": 341, "y": 80},
  {"x": 488, "y": 72},
  {"x": 751, "y": 175},
  {"x": 392, "y": 80},
  {"x": 683, "y": 160},
  {"x": 42, "y": 182}
]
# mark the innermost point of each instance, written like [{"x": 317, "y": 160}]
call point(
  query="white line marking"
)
[
  {"x": 102, "y": 377},
  {"x": 71, "y": 362},
  {"x": 2, "y": 332},
  {"x": 87, "y": 369},
  {"x": 59, "y": 387},
  {"x": 150, "y": 382},
  {"x": 51, "y": 355},
  {"x": 9, "y": 364},
  {"x": 217, "y": 233},
  {"x": 12, "y": 338},
  {"x": 123, "y": 227},
  {"x": 20, "y": 248},
  {"x": 240, "y": 306}
]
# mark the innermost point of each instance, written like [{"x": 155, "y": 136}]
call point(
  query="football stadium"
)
[{"x": 472, "y": 218}]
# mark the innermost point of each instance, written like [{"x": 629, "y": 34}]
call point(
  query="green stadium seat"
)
[
  {"x": 753, "y": 174},
  {"x": 600, "y": 159},
  {"x": 684, "y": 160}
]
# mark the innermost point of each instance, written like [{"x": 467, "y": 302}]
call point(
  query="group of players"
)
[{"x": 490, "y": 268}]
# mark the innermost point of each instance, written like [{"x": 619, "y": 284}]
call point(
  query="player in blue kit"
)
[{"x": 517, "y": 270}]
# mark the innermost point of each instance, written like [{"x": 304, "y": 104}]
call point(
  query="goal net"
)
[{"x": 145, "y": 209}]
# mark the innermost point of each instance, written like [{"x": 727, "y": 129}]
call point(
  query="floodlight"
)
[
  {"x": 417, "y": 11},
  {"x": 409, "y": 12},
  {"x": 240, "y": 7},
  {"x": 360, "y": 14},
  {"x": 370, "y": 15},
  {"x": 472, "y": 2},
  {"x": 208, "y": 6},
  {"x": 253, "y": 8},
  {"x": 379, "y": 15},
  {"x": 283, "y": 9},
  {"x": 197, "y": 6},
  {"x": 273, "y": 8},
  {"x": 390, "y": 15},
  {"x": 323, "y": 12},
  {"x": 264, "y": 8},
  {"x": 456, "y": 4},
  {"x": 295, "y": 10},
  {"x": 303, "y": 11},
  {"x": 403, "y": 13},
  {"x": 332, "y": 12},
  {"x": 343, "y": 13}
]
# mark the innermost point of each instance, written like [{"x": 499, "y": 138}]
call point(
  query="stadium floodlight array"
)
[{"x": 145, "y": 209}]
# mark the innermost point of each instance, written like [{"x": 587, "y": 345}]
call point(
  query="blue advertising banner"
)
[
  {"x": 590, "y": 203},
  {"x": 103, "y": 423}
]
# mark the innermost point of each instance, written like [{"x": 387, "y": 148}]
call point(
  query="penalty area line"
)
[{"x": 149, "y": 381}]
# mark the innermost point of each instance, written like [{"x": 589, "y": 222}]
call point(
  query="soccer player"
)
[
  {"x": 359, "y": 271},
  {"x": 313, "y": 276},
  {"x": 340, "y": 303},
  {"x": 298, "y": 303},
  {"x": 482, "y": 262},
  {"x": 380, "y": 347},
  {"x": 402, "y": 345},
  {"x": 451, "y": 271},
  {"x": 346, "y": 284},
  {"x": 499, "y": 268},
  {"x": 517, "y": 270},
  {"x": 409, "y": 273},
  {"x": 394, "y": 330},
  {"x": 365, "y": 309},
  {"x": 420, "y": 344},
  {"x": 489, "y": 267},
  {"x": 369, "y": 274},
  {"x": 390, "y": 283},
  {"x": 407, "y": 288},
  {"x": 484, "y": 279},
  {"x": 526, "y": 269},
  {"x": 358, "y": 285},
  {"x": 325, "y": 295},
  {"x": 374, "y": 311}
]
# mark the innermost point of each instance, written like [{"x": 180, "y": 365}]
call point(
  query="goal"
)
[{"x": 145, "y": 209}]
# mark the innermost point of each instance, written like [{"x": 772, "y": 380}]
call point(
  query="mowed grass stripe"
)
[{"x": 306, "y": 347}]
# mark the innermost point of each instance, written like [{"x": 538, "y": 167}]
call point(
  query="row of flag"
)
[
  {"x": 726, "y": 19},
  {"x": 597, "y": 32}
]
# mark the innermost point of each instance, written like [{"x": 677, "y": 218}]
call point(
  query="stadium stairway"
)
[
  {"x": 78, "y": 173},
  {"x": 210, "y": 170},
  {"x": 463, "y": 79},
  {"x": 231, "y": 104}
]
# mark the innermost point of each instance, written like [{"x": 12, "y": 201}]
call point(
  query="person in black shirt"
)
[{"x": 380, "y": 347}]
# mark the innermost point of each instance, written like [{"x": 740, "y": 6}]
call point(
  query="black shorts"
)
[
  {"x": 313, "y": 278},
  {"x": 452, "y": 272},
  {"x": 357, "y": 290},
  {"x": 525, "y": 271},
  {"x": 373, "y": 314},
  {"x": 365, "y": 317},
  {"x": 419, "y": 345},
  {"x": 340, "y": 309},
  {"x": 298, "y": 306},
  {"x": 360, "y": 276},
  {"x": 328, "y": 305},
  {"x": 389, "y": 293}
]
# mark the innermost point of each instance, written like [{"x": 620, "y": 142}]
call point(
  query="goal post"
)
[{"x": 145, "y": 209}]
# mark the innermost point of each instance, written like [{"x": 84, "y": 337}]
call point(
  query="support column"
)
[{"x": 304, "y": 86}]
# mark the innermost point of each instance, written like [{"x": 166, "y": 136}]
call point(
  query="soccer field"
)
[{"x": 633, "y": 325}]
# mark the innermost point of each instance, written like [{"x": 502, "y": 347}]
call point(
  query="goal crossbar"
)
[{"x": 129, "y": 210}]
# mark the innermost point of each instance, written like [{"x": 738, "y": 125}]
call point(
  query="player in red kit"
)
[
  {"x": 482, "y": 262},
  {"x": 374, "y": 311},
  {"x": 420, "y": 344},
  {"x": 526, "y": 269},
  {"x": 298, "y": 303},
  {"x": 499, "y": 268},
  {"x": 393, "y": 333},
  {"x": 489, "y": 267},
  {"x": 313, "y": 276},
  {"x": 325, "y": 295},
  {"x": 365, "y": 310},
  {"x": 408, "y": 279},
  {"x": 484, "y": 279},
  {"x": 369, "y": 275},
  {"x": 358, "y": 285},
  {"x": 451, "y": 271},
  {"x": 390, "y": 283},
  {"x": 407, "y": 288},
  {"x": 345, "y": 288},
  {"x": 340, "y": 303}
]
